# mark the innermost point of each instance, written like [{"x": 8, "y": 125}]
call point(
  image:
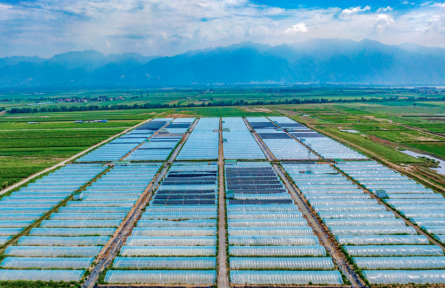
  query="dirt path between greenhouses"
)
[{"x": 223, "y": 278}]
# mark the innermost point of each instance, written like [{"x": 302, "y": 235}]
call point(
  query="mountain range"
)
[{"x": 319, "y": 61}]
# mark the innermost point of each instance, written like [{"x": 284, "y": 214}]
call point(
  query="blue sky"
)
[{"x": 169, "y": 27}]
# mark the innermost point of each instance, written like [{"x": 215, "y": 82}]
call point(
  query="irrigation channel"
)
[{"x": 231, "y": 202}]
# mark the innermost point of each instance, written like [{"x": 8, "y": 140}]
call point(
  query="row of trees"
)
[{"x": 210, "y": 104}]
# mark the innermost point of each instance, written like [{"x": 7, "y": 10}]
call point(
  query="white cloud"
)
[
  {"x": 297, "y": 28},
  {"x": 353, "y": 10},
  {"x": 382, "y": 21},
  {"x": 385, "y": 9},
  {"x": 408, "y": 3},
  {"x": 159, "y": 27}
]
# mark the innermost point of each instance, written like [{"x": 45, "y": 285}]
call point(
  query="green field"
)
[
  {"x": 385, "y": 118},
  {"x": 29, "y": 148}
]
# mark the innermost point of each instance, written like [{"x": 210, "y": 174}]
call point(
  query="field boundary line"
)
[
  {"x": 7, "y": 189},
  {"x": 223, "y": 277}
]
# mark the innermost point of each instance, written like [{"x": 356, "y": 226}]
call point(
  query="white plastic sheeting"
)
[
  {"x": 261, "y": 208},
  {"x": 424, "y": 214},
  {"x": 299, "y": 231},
  {"x": 168, "y": 251},
  {"x": 239, "y": 144},
  {"x": 406, "y": 208},
  {"x": 36, "y": 251},
  {"x": 179, "y": 216},
  {"x": 264, "y": 215},
  {"x": 437, "y": 230},
  {"x": 285, "y": 277},
  {"x": 176, "y": 277},
  {"x": 405, "y": 277},
  {"x": 298, "y": 251},
  {"x": 273, "y": 240},
  {"x": 379, "y": 263},
  {"x": 184, "y": 223},
  {"x": 88, "y": 216},
  {"x": 441, "y": 238},
  {"x": 190, "y": 263},
  {"x": 63, "y": 241},
  {"x": 171, "y": 241},
  {"x": 10, "y": 231},
  {"x": 365, "y": 202},
  {"x": 72, "y": 232},
  {"x": 382, "y": 240},
  {"x": 360, "y": 223},
  {"x": 429, "y": 221},
  {"x": 395, "y": 250},
  {"x": 373, "y": 208},
  {"x": 267, "y": 223},
  {"x": 42, "y": 275},
  {"x": 178, "y": 232},
  {"x": 360, "y": 231},
  {"x": 46, "y": 263},
  {"x": 180, "y": 209},
  {"x": 356, "y": 215},
  {"x": 285, "y": 263},
  {"x": 4, "y": 239},
  {"x": 81, "y": 223}
]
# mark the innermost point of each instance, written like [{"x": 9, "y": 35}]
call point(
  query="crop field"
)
[
  {"x": 29, "y": 148},
  {"x": 308, "y": 194}
]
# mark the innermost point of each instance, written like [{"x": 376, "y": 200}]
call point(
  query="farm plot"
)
[
  {"x": 202, "y": 143},
  {"x": 160, "y": 146},
  {"x": 175, "y": 240},
  {"x": 279, "y": 143},
  {"x": 421, "y": 205},
  {"x": 35, "y": 252},
  {"x": 238, "y": 141},
  {"x": 382, "y": 247},
  {"x": 118, "y": 148},
  {"x": 324, "y": 146},
  {"x": 269, "y": 240}
]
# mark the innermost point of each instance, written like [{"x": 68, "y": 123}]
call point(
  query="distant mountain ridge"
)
[{"x": 314, "y": 61}]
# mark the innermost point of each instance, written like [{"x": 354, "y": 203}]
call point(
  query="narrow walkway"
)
[{"x": 223, "y": 279}]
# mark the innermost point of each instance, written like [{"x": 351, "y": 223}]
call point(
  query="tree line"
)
[{"x": 211, "y": 104}]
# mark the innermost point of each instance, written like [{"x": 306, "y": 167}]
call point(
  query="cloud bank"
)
[{"x": 152, "y": 27}]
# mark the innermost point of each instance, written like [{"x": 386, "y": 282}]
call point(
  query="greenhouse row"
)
[
  {"x": 324, "y": 146},
  {"x": 174, "y": 242},
  {"x": 119, "y": 147},
  {"x": 238, "y": 142},
  {"x": 203, "y": 142},
  {"x": 379, "y": 243},
  {"x": 421, "y": 205},
  {"x": 279, "y": 143},
  {"x": 40, "y": 197},
  {"x": 268, "y": 240},
  {"x": 67, "y": 243},
  {"x": 162, "y": 145}
]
